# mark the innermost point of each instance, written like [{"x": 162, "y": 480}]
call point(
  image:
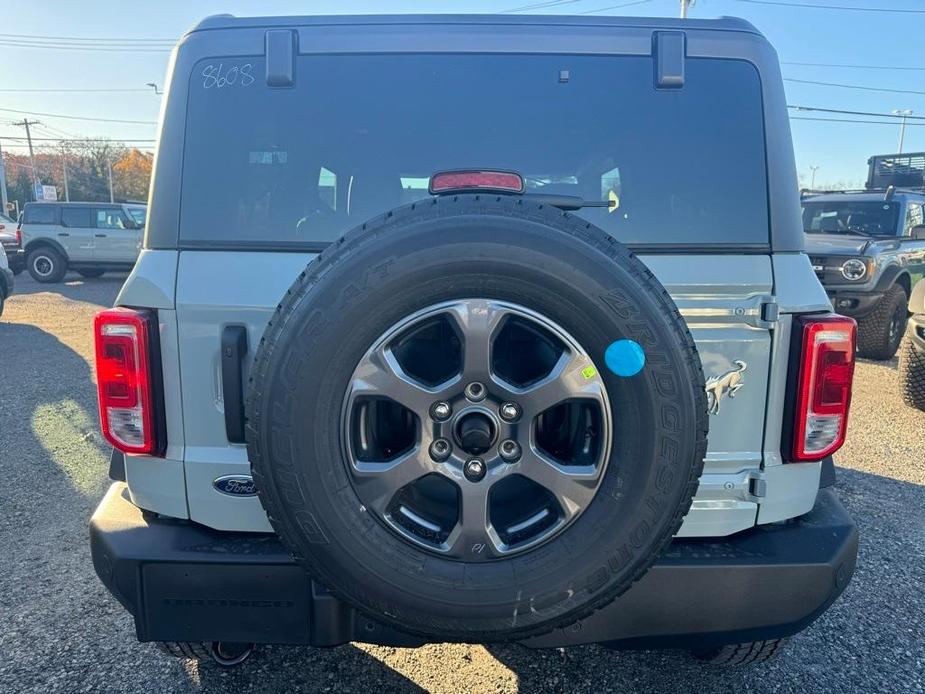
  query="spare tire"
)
[{"x": 476, "y": 418}]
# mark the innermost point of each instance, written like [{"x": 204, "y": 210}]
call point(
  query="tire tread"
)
[{"x": 380, "y": 225}]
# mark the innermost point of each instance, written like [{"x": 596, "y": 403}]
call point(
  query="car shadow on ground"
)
[
  {"x": 882, "y": 605},
  {"x": 98, "y": 290}
]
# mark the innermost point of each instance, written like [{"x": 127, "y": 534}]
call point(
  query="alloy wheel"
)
[{"x": 476, "y": 429}]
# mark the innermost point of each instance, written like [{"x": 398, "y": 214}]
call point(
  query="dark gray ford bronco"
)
[
  {"x": 868, "y": 248},
  {"x": 474, "y": 329}
]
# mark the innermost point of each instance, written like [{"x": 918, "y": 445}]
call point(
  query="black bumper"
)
[
  {"x": 917, "y": 332},
  {"x": 6, "y": 282},
  {"x": 852, "y": 303},
  {"x": 184, "y": 582},
  {"x": 16, "y": 259}
]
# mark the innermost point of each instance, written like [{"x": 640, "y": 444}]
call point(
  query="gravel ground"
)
[{"x": 61, "y": 631}]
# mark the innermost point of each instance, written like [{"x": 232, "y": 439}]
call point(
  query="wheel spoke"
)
[
  {"x": 572, "y": 486},
  {"x": 381, "y": 375},
  {"x": 478, "y": 320},
  {"x": 573, "y": 377},
  {"x": 473, "y": 538},
  {"x": 378, "y": 482}
]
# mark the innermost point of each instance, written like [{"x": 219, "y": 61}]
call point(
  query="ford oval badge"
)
[{"x": 236, "y": 485}]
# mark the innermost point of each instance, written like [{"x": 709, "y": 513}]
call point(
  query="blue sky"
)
[{"x": 801, "y": 35}]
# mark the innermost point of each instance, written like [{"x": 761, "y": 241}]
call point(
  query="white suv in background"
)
[{"x": 88, "y": 237}]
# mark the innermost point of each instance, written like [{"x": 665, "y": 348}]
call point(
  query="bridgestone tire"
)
[
  {"x": 743, "y": 653},
  {"x": 509, "y": 249},
  {"x": 42, "y": 254},
  {"x": 874, "y": 341},
  {"x": 912, "y": 374}
]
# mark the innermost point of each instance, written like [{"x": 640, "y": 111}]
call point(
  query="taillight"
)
[
  {"x": 124, "y": 379},
  {"x": 18, "y": 236},
  {"x": 469, "y": 181},
  {"x": 823, "y": 386}
]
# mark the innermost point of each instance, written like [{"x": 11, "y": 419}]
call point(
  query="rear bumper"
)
[
  {"x": 185, "y": 582},
  {"x": 16, "y": 258}
]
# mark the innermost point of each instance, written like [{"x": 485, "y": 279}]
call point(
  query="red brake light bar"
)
[
  {"x": 467, "y": 181},
  {"x": 823, "y": 386}
]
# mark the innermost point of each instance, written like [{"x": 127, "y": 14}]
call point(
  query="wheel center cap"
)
[{"x": 475, "y": 432}]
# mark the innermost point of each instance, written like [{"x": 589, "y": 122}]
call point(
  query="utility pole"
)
[
  {"x": 109, "y": 166},
  {"x": 67, "y": 197},
  {"x": 812, "y": 182},
  {"x": 902, "y": 113},
  {"x": 3, "y": 198},
  {"x": 685, "y": 4},
  {"x": 25, "y": 122}
]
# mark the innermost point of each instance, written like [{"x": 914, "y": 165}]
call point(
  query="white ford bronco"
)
[{"x": 473, "y": 329}]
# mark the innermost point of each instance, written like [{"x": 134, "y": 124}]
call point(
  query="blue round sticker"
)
[{"x": 625, "y": 357}]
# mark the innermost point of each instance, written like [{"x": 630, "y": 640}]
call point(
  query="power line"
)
[
  {"x": 852, "y": 120},
  {"x": 88, "y": 47},
  {"x": 541, "y": 5},
  {"x": 101, "y": 120},
  {"x": 615, "y": 7},
  {"x": 854, "y": 67},
  {"x": 79, "y": 139},
  {"x": 855, "y": 86},
  {"x": 129, "y": 89},
  {"x": 849, "y": 8},
  {"x": 95, "y": 39},
  {"x": 852, "y": 113}
]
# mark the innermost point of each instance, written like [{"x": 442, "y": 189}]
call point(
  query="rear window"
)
[
  {"x": 360, "y": 134},
  {"x": 40, "y": 214}
]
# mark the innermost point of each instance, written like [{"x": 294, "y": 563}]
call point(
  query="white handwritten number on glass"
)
[{"x": 217, "y": 76}]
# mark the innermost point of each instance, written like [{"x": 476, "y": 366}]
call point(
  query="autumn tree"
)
[
  {"x": 132, "y": 174},
  {"x": 87, "y": 164}
]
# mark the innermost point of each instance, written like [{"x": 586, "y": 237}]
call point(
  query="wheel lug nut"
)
[
  {"x": 440, "y": 450},
  {"x": 441, "y": 411},
  {"x": 475, "y": 391},
  {"x": 509, "y": 450},
  {"x": 474, "y": 469},
  {"x": 510, "y": 411}
]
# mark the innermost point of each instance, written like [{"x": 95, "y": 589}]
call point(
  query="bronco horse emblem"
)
[{"x": 728, "y": 384}]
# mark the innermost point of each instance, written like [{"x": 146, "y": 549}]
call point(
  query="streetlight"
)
[
  {"x": 902, "y": 113},
  {"x": 154, "y": 87},
  {"x": 812, "y": 182}
]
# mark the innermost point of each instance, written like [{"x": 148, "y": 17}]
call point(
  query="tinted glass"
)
[
  {"x": 109, "y": 218},
  {"x": 866, "y": 218},
  {"x": 361, "y": 134},
  {"x": 40, "y": 214},
  {"x": 75, "y": 217}
]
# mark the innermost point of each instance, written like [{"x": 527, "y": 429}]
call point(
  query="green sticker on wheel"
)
[{"x": 589, "y": 372}]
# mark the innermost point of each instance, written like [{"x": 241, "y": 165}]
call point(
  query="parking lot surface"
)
[{"x": 61, "y": 631}]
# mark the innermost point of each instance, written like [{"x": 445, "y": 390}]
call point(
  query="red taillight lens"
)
[
  {"x": 823, "y": 386},
  {"x": 19, "y": 236},
  {"x": 124, "y": 379},
  {"x": 462, "y": 181}
]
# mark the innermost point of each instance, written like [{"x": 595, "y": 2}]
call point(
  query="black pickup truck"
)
[{"x": 868, "y": 248}]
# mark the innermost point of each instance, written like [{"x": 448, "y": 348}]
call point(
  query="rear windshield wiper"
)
[{"x": 568, "y": 202}]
